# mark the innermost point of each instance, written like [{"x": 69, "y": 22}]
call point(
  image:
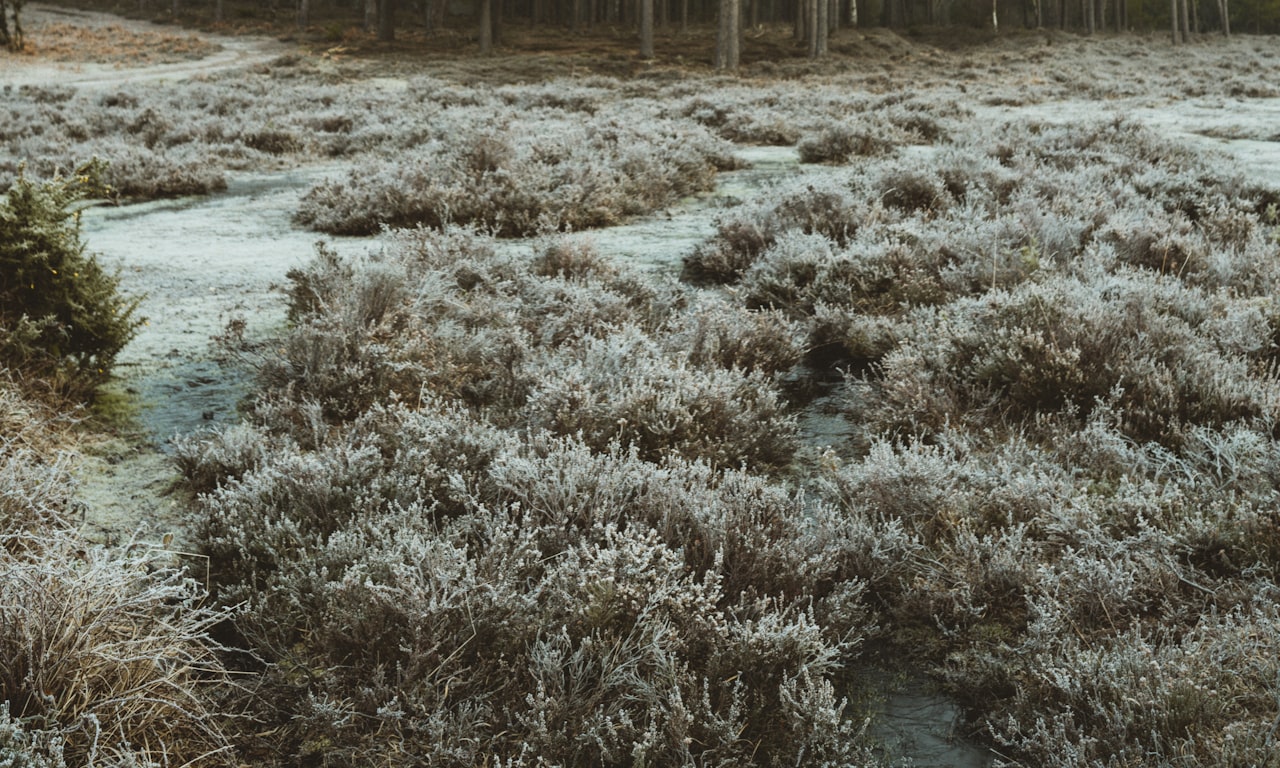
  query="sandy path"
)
[{"x": 227, "y": 53}]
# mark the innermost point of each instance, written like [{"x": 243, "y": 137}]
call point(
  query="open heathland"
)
[{"x": 985, "y": 388}]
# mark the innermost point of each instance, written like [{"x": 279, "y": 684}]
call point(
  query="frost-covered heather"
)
[
  {"x": 596, "y": 351},
  {"x": 105, "y": 654},
  {"x": 544, "y": 172},
  {"x": 1058, "y": 343},
  {"x": 464, "y": 592},
  {"x": 507, "y": 506}
]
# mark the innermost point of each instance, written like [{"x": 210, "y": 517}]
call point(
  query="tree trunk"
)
[
  {"x": 1182, "y": 16},
  {"x": 304, "y": 14},
  {"x": 370, "y": 15},
  {"x": 497, "y": 13},
  {"x": 1225, "y": 13},
  {"x": 853, "y": 13},
  {"x": 818, "y": 28},
  {"x": 684, "y": 17},
  {"x": 486, "y": 26},
  {"x": 386, "y": 20},
  {"x": 5, "y": 40},
  {"x": 646, "y": 29},
  {"x": 1195, "y": 16},
  {"x": 811, "y": 27},
  {"x": 17, "y": 38},
  {"x": 728, "y": 34},
  {"x": 1173, "y": 14},
  {"x": 802, "y": 20},
  {"x": 995, "y": 16}
]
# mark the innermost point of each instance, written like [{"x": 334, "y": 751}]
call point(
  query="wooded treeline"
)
[
  {"x": 812, "y": 20},
  {"x": 1203, "y": 16}
]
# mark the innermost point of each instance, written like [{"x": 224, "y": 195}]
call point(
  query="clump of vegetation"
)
[
  {"x": 583, "y": 570},
  {"x": 62, "y": 317},
  {"x": 837, "y": 142},
  {"x": 553, "y": 174},
  {"x": 105, "y": 654}
]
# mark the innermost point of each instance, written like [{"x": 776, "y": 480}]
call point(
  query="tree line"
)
[{"x": 813, "y": 21}]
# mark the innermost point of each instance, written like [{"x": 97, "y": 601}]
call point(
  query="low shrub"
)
[
  {"x": 660, "y": 406},
  {"x": 520, "y": 184},
  {"x": 838, "y": 142},
  {"x": 525, "y": 598},
  {"x": 62, "y": 317}
]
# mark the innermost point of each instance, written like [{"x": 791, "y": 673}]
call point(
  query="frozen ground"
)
[{"x": 204, "y": 263}]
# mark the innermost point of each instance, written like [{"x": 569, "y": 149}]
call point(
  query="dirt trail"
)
[
  {"x": 197, "y": 53},
  {"x": 125, "y": 479}
]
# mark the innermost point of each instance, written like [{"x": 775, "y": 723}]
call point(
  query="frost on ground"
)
[{"x": 529, "y": 503}]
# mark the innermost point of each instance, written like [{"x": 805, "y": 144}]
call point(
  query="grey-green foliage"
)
[
  {"x": 493, "y": 506},
  {"x": 553, "y": 172},
  {"x": 458, "y": 591}
]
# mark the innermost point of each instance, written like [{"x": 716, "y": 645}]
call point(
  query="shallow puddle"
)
[{"x": 918, "y": 725}]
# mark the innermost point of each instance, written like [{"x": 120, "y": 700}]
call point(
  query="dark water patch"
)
[{"x": 920, "y": 726}]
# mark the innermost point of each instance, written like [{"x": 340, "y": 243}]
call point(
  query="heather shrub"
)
[
  {"x": 1068, "y": 345},
  {"x": 520, "y": 183},
  {"x": 530, "y": 599},
  {"x": 62, "y": 318},
  {"x": 838, "y": 142},
  {"x": 718, "y": 334},
  {"x": 660, "y": 405},
  {"x": 1146, "y": 696},
  {"x": 749, "y": 230}
]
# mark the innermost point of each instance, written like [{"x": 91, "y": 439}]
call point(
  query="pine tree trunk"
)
[
  {"x": 728, "y": 34},
  {"x": 1173, "y": 14},
  {"x": 386, "y": 20},
  {"x": 822, "y": 29},
  {"x": 370, "y": 15},
  {"x": 486, "y": 26},
  {"x": 304, "y": 14},
  {"x": 5, "y": 40},
  {"x": 646, "y": 29}
]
